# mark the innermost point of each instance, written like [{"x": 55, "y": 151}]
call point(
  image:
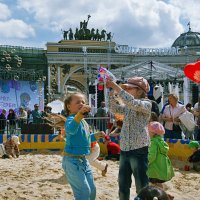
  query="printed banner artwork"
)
[{"x": 14, "y": 94}]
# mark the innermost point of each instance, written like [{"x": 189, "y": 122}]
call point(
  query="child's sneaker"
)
[{"x": 105, "y": 170}]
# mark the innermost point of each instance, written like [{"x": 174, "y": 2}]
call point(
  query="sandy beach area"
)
[{"x": 40, "y": 177}]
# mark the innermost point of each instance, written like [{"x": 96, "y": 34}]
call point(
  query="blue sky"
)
[{"x": 138, "y": 23}]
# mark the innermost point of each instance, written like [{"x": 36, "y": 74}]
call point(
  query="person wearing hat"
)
[
  {"x": 160, "y": 168},
  {"x": 12, "y": 147},
  {"x": 130, "y": 100},
  {"x": 195, "y": 157}
]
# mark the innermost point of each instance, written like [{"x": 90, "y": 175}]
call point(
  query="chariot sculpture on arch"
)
[{"x": 83, "y": 33}]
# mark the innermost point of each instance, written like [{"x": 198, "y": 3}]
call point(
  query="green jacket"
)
[{"x": 160, "y": 166}]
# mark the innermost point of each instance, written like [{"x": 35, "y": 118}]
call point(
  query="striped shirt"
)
[{"x": 137, "y": 112}]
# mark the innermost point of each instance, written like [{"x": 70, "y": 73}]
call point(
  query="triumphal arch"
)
[{"x": 74, "y": 60}]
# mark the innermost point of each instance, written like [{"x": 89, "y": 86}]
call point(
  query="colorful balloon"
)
[{"x": 192, "y": 71}]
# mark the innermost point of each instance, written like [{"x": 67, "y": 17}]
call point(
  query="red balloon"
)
[
  {"x": 192, "y": 71},
  {"x": 100, "y": 87}
]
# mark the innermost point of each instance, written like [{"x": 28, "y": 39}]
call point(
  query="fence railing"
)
[
  {"x": 11, "y": 127},
  {"x": 98, "y": 123}
]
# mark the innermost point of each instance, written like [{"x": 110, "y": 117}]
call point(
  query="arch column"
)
[
  {"x": 186, "y": 88},
  {"x": 58, "y": 78},
  {"x": 49, "y": 77}
]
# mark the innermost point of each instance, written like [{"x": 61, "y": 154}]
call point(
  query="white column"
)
[
  {"x": 170, "y": 87},
  {"x": 58, "y": 78},
  {"x": 162, "y": 99},
  {"x": 176, "y": 90},
  {"x": 49, "y": 78},
  {"x": 186, "y": 88},
  {"x": 96, "y": 82},
  {"x": 90, "y": 100}
]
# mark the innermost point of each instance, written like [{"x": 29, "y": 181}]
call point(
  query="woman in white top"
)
[
  {"x": 197, "y": 120},
  {"x": 171, "y": 119}
]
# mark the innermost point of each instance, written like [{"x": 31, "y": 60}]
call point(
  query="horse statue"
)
[
  {"x": 87, "y": 34},
  {"x": 103, "y": 35},
  {"x": 97, "y": 36},
  {"x": 71, "y": 35},
  {"x": 92, "y": 34},
  {"x": 109, "y": 36},
  {"x": 65, "y": 33},
  {"x": 76, "y": 34}
]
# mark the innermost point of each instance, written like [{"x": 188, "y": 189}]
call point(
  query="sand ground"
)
[{"x": 40, "y": 177}]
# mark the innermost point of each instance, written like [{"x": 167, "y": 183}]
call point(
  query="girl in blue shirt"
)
[{"x": 78, "y": 139}]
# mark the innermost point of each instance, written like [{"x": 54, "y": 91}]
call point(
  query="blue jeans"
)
[
  {"x": 80, "y": 177},
  {"x": 132, "y": 162}
]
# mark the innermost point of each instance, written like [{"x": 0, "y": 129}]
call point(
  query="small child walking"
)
[
  {"x": 93, "y": 158},
  {"x": 160, "y": 168},
  {"x": 77, "y": 146}
]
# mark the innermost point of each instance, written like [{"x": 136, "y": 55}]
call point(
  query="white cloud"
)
[
  {"x": 144, "y": 23},
  {"x": 15, "y": 28},
  {"x": 189, "y": 11},
  {"x": 5, "y": 12}
]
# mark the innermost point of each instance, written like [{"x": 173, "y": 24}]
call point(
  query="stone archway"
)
[
  {"x": 81, "y": 82},
  {"x": 76, "y": 84}
]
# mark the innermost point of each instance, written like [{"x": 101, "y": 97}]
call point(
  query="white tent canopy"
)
[
  {"x": 150, "y": 69},
  {"x": 57, "y": 106}
]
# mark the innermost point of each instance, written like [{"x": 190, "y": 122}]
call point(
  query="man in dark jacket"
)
[{"x": 2, "y": 121}]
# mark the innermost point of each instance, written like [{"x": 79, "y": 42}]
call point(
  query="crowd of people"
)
[
  {"x": 142, "y": 152},
  {"x": 12, "y": 121}
]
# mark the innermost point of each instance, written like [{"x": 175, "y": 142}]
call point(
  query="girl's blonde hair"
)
[
  {"x": 68, "y": 100},
  {"x": 174, "y": 96}
]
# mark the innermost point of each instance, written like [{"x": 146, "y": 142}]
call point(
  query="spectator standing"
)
[
  {"x": 189, "y": 134},
  {"x": 22, "y": 117},
  {"x": 45, "y": 112},
  {"x": 2, "y": 121},
  {"x": 101, "y": 112},
  {"x": 12, "y": 118},
  {"x": 196, "y": 112},
  {"x": 29, "y": 116},
  {"x": 171, "y": 119},
  {"x": 154, "y": 107},
  {"x": 37, "y": 115}
]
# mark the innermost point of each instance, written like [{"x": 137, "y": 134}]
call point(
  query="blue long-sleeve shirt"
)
[{"x": 78, "y": 137}]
